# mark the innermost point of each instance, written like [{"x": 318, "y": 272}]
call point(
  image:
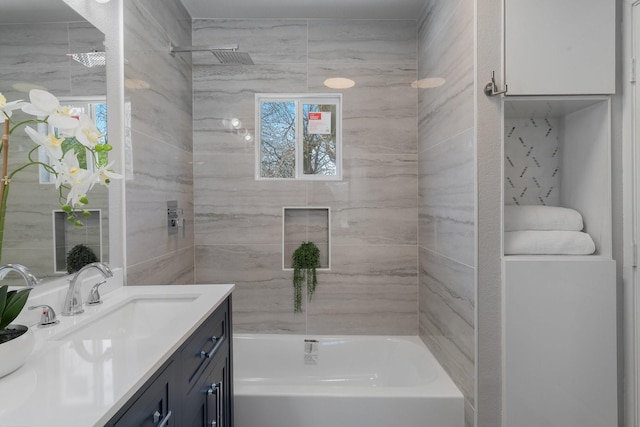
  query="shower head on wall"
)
[
  {"x": 89, "y": 59},
  {"x": 224, "y": 54}
]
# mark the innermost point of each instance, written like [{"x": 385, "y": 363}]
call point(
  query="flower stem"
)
[{"x": 4, "y": 183}]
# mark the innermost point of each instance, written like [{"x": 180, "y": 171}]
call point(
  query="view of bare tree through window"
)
[
  {"x": 319, "y": 148},
  {"x": 298, "y": 136},
  {"x": 278, "y": 139}
]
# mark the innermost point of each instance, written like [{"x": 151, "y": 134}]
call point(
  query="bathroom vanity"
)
[
  {"x": 148, "y": 356},
  {"x": 193, "y": 387}
]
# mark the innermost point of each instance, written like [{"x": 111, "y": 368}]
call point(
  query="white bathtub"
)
[{"x": 346, "y": 381}]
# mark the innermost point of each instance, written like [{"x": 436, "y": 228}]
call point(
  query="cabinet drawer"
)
[
  {"x": 211, "y": 339},
  {"x": 154, "y": 404}
]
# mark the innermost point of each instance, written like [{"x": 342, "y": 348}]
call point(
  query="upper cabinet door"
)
[{"x": 560, "y": 47}]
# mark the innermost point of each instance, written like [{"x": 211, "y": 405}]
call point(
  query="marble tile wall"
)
[
  {"x": 446, "y": 200},
  {"x": 372, "y": 285},
  {"x": 158, "y": 87},
  {"x": 36, "y": 54}
]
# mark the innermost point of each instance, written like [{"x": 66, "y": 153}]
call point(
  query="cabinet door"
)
[
  {"x": 562, "y": 47},
  {"x": 153, "y": 406},
  {"x": 209, "y": 404}
]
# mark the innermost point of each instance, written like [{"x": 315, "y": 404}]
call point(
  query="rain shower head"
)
[
  {"x": 224, "y": 54},
  {"x": 89, "y": 59}
]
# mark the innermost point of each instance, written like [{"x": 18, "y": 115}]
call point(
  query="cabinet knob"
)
[{"x": 164, "y": 421}]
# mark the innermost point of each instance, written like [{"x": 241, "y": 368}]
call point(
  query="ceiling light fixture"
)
[
  {"x": 103, "y": 1},
  {"x": 339, "y": 83}
]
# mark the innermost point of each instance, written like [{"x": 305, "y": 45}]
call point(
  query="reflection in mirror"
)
[{"x": 35, "y": 50}]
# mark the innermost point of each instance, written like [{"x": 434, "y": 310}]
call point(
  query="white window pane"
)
[{"x": 277, "y": 139}]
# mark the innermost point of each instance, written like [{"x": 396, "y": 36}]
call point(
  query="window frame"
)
[{"x": 299, "y": 99}]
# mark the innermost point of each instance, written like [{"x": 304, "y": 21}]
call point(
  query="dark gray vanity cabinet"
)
[
  {"x": 194, "y": 387},
  {"x": 155, "y": 405}
]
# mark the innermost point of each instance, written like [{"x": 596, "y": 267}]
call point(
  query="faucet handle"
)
[
  {"x": 48, "y": 316},
  {"x": 94, "y": 295}
]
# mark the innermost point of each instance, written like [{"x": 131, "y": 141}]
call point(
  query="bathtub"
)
[{"x": 341, "y": 381}]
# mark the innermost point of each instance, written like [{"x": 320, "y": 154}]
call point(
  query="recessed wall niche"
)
[
  {"x": 66, "y": 235},
  {"x": 557, "y": 153},
  {"x": 306, "y": 224}
]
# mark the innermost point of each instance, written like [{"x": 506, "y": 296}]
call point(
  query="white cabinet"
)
[
  {"x": 560, "y": 47},
  {"x": 560, "y": 342}
]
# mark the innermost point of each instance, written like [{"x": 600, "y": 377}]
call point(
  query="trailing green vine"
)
[{"x": 305, "y": 260}]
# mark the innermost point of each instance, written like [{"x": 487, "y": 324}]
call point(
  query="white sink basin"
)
[{"x": 136, "y": 318}]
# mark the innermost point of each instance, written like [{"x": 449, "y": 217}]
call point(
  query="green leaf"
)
[
  {"x": 3, "y": 299},
  {"x": 16, "y": 301}
]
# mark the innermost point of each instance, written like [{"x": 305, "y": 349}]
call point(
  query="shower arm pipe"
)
[{"x": 203, "y": 48}]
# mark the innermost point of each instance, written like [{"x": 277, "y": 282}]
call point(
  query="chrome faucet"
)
[
  {"x": 23, "y": 271},
  {"x": 73, "y": 300}
]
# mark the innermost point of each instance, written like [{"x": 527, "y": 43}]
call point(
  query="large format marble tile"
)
[
  {"x": 370, "y": 290},
  {"x": 167, "y": 175},
  {"x": 34, "y": 45},
  {"x": 438, "y": 16},
  {"x": 162, "y": 143},
  {"x": 379, "y": 112},
  {"x": 148, "y": 59},
  {"x": 233, "y": 208},
  {"x": 446, "y": 299},
  {"x": 375, "y": 203},
  {"x": 267, "y": 41},
  {"x": 174, "y": 268},
  {"x": 447, "y": 198},
  {"x": 362, "y": 41},
  {"x": 55, "y": 79},
  {"x": 447, "y": 110},
  {"x": 263, "y": 297},
  {"x": 171, "y": 16}
]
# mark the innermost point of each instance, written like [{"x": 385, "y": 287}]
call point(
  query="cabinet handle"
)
[
  {"x": 164, "y": 421},
  {"x": 217, "y": 341},
  {"x": 216, "y": 389}
]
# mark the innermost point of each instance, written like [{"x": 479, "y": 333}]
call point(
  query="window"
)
[{"x": 298, "y": 136}]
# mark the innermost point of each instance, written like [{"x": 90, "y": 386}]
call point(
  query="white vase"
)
[{"x": 14, "y": 353}]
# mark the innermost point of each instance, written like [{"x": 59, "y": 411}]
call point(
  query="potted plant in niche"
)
[
  {"x": 79, "y": 256},
  {"x": 16, "y": 341},
  {"x": 305, "y": 260}
]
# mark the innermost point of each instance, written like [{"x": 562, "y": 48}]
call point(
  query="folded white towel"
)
[
  {"x": 543, "y": 242},
  {"x": 538, "y": 217}
]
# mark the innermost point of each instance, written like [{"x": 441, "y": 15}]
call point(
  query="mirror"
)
[{"x": 36, "y": 37}]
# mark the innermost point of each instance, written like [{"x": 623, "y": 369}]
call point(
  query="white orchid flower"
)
[
  {"x": 87, "y": 132},
  {"x": 44, "y": 104},
  {"x": 6, "y": 108},
  {"x": 50, "y": 142},
  {"x": 69, "y": 171},
  {"x": 104, "y": 174},
  {"x": 77, "y": 195}
]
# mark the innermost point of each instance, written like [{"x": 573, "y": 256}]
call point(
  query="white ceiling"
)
[
  {"x": 20, "y": 11},
  {"x": 314, "y": 9}
]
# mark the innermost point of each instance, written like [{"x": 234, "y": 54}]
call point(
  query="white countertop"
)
[{"x": 85, "y": 382}]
